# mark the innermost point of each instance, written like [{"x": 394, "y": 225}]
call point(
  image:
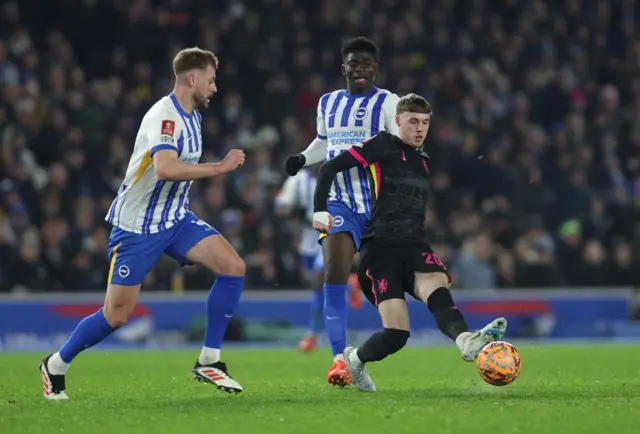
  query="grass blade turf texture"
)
[{"x": 562, "y": 389}]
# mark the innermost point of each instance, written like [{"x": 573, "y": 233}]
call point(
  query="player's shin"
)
[
  {"x": 395, "y": 320},
  {"x": 90, "y": 331},
  {"x": 221, "y": 305},
  {"x": 335, "y": 315},
  {"x": 382, "y": 344},
  {"x": 450, "y": 320}
]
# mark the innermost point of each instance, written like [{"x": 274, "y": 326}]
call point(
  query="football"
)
[{"x": 499, "y": 363}]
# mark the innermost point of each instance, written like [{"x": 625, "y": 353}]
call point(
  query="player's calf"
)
[
  {"x": 217, "y": 254},
  {"x": 432, "y": 289},
  {"x": 119, "y": 304},
  {"x": 380, "y": 345},
  {"x": 395, "y": 320},
  {"x": 338, "y": 250}
]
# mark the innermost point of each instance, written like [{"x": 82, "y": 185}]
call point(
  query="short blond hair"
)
[
  {"x": 413, "y": 103},
  {"x": 193, "y": 58}
]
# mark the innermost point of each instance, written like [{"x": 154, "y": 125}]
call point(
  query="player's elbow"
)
[
  {"x": 163, "y": 170},
  {"x": 327, "y": 170}
]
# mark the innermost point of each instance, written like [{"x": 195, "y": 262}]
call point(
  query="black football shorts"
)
[{"x": 387, "y": 271}]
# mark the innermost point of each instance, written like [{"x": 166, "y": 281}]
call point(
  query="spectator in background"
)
[
  {"x": 621, "y": 271},
  {"x": 570, "y": 250},
  {"x": 474, "y": 268},
  {"x": 537, "y": 113},
  {"x": 535, "y": 253}
]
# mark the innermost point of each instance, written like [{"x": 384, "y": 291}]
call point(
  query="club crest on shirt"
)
[{"x": 361, "y": 113}]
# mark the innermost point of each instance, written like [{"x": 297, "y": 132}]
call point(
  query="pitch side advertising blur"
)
[{"x": 169, "y": 320}]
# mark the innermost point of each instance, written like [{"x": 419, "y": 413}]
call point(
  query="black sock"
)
[
  {"x": 382, "y": 344},
  {"x": 449, "y": 319}
]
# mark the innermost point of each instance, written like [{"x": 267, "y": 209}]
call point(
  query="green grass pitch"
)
[{"x": 561, "y": 389}]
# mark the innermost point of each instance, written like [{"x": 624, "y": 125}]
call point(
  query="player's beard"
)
[{"x": 201, "y": 102}]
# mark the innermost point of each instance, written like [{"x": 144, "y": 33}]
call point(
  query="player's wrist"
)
[
  {"x": 321, "y": 217},
  {"x": 218, "y": 168}
]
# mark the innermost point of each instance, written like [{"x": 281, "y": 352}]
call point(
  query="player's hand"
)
[
  {"x": 233, "y": 160},
  {"x": 323, "y": 221},
  {"x": 294, "y": 163}
]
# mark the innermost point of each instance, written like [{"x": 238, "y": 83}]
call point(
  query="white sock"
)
[
  {"x": 56, "y": 365},
  {"x": 354, "y": 359},
  {"x": 338, "y": 357},
  {"x": 209, "y": 356}
]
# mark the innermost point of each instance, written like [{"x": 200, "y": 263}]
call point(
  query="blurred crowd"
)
[{"x": 535, "y": 138}]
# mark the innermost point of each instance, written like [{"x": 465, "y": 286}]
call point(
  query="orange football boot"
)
[
  {"x": 354, "y": 294},
  {"x": 308, "y": 344},
  {"x": 338, "y": 375}
]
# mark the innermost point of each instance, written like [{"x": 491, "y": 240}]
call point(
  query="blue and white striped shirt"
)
[
  {"x": 144, "y": 204},
  {"x": 298, "y": 191},
  {"x": 345, "y": 120}
]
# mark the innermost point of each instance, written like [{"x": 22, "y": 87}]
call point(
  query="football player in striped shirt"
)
[
  {"x": 346, "y": 117},
  {"x": 150, "y": 216},
  {"x": 296, "y": 198}
]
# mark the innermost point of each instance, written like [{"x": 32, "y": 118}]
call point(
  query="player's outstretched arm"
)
[
  {"x": 169, "y": 168},
  {"x": 368, "y": 152},
  {"x": 322, "y": 220},
  {"x": 314, "y": 153}
]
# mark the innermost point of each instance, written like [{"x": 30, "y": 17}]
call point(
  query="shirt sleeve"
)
[
  {"x": 321, "y": 126},
  {"x": 389, "y": 110},
  {"x": 287, "y": 196},
  {"x": 370, "y": 151},
  {"x": 164, "y": 132},
  {"x": 315, "y": 152}
]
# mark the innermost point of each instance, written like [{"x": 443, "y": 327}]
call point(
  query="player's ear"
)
[
  {"x": 397, "y": 120},
  {"x": 343, "y": 69},
  {"x": 191, "y": 78}
]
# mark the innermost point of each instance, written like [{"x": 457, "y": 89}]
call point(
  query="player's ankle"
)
[
  {"x": 462, "y": 338},
  {"x": 337, "y": 357},
  {"x": 354, "y": 359},
  {"x": 209, "y": 356},
  {"x": 56, "y": 365}
]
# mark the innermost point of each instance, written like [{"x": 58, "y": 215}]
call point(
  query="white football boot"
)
[
  {"x": 359, "y": 376},
  {"x": 470, "y": 343},
  {"x": 53, "y": 386},
  {"x": 217, "y": 375}
]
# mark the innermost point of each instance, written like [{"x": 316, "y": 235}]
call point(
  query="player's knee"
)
[
  {"x": 396, "y": 339},
  {"x": 335, "y": 276},
  {"x": 235, "y": 267},
  {"x": 337, "y": 272},
  {"x": 116, "y": 316},
  {"x": 426, "y": 284}
]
